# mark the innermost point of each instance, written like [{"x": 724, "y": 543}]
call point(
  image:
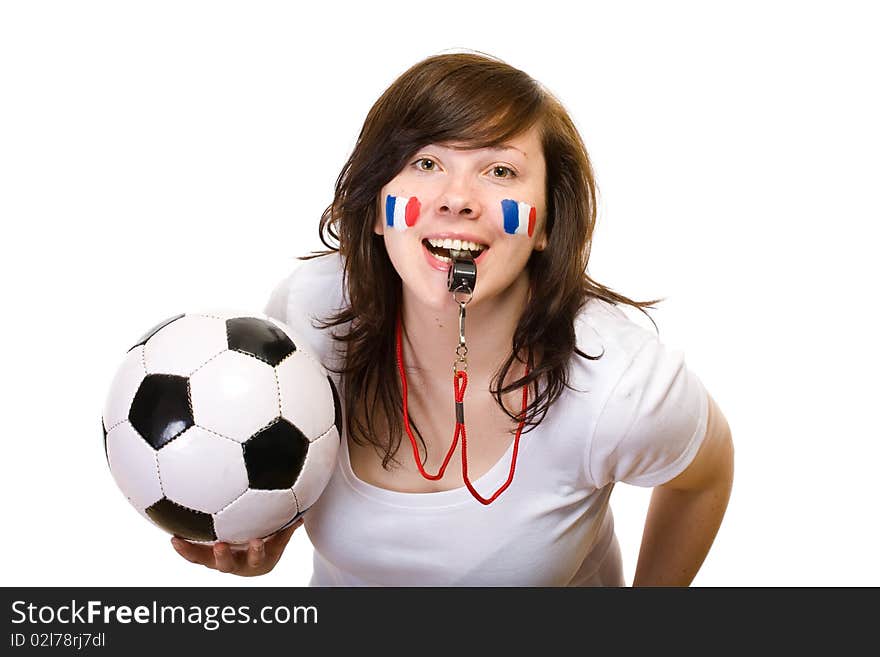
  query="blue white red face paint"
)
[
  {"x": 519, "y": 217},
  {"x": 401, "y": 212}
]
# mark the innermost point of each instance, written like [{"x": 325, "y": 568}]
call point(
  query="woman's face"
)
[{"x": 493, "y": 198}]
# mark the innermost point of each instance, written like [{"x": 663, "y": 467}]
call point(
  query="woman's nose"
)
[{"x": 458, "y": 199}]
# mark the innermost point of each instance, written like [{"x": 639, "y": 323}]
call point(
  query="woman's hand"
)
[{"x": 259, "y": 558}]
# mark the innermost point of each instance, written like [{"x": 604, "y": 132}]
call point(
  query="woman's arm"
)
[{"x": 685, "y": 513}]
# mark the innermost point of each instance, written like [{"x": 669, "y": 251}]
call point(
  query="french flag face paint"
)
[
  {"x": 519, "y": 217},
  {"x": 401, "y": 212}
]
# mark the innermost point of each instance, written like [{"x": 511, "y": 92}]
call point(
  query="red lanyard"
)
[{"x": 459, "y": 382}]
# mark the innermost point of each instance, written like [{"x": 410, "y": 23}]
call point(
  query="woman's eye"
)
[
  {"x": 503, "y": 172},
  {"x": 424, "y": 164}
]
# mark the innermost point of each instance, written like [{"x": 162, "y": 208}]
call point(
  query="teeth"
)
[{"x": 457, "y": 245}]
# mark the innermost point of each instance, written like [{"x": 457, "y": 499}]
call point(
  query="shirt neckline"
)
[{"x": 486, "y": 485}]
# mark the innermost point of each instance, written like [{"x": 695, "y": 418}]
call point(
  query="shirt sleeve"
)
[
  {"x": 653, "y": 421},
  {"x": 276, "y": 306}
]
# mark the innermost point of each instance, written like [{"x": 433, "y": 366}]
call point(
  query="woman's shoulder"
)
[
  {"x": 317, "y": 272},
  {"x": 312, "y": 291},
  {"x": 624, "y": 354},
  {"x": 603, "y": 328},
  {"x": 314, "y": 285}
]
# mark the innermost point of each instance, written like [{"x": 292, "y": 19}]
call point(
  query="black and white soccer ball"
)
[{"x": 221, "y": 426}]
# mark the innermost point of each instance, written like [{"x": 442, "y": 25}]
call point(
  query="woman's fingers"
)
[
  {"x": 260, "y": 557},
  {"x": 256, "y": 554},
  {"x": 200, "y": 554},
  {"x": 223, "y": 558}
]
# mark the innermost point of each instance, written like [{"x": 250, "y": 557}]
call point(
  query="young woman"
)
[{"x": 557, "y": 396}]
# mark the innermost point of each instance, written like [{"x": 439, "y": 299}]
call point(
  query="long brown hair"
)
[{"x": 479, "y": 101}]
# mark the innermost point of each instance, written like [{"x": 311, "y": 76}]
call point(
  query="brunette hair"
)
[{"x": 478, "y": 101}]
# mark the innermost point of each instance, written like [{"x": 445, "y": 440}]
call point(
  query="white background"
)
[{"x": 164, "y": 157}]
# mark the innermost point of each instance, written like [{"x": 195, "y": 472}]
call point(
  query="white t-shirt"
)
[{"x": 638, "y": 416}]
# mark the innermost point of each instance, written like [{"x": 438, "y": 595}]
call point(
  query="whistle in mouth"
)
[{"x": 462, "y": 276}]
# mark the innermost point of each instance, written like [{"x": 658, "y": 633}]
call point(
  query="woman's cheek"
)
[
  {"x": 518, "y": 217},
  {"x": 402, "y": 212}
]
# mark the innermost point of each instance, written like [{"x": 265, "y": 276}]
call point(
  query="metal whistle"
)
[
  {"x": 462, "y": 276},
  {"x": 461, "y": 281}
]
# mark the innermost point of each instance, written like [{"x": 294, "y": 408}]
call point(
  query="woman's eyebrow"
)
[
  {"x": 495, "y": 149},
  {"x": 507, "y": 147}
]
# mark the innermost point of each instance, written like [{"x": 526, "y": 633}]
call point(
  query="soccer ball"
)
[{"x": 221, "y": 426}]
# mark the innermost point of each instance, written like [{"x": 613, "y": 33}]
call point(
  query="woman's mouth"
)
[{"x": 440, "y": 252}]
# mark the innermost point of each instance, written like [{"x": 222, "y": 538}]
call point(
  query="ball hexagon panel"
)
[
  {"x": 234, "y": 395},
  {"x": 316, "y": 472},
  {"x": 180, "y": 521},
  {"x": 257, "y": 513},
  {"x": 274, "y": 457},
  {"x": 133, "y": 465},
  {"x": 305, "y": 391},
  {"x": 202, "y": 471},
  {"x": 184, "y": 345},
  {"x": 160, "y": 410},
  {"x": 259, "y": 338},
  {"x": 123, "y": 388}
]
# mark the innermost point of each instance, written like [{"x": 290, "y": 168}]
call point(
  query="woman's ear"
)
[
  {"x": 541, "y": 242},
  {"x": 379, "y": 226}
]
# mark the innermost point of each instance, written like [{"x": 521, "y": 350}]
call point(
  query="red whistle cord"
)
[{"x": 458, "y": 377}]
